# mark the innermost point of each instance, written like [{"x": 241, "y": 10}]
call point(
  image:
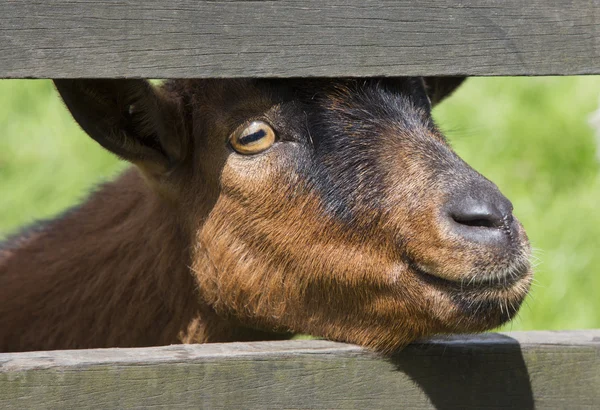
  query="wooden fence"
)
[
  {"x": 286, "y": 38},
  {"x": 295, "y": 38},
  {"x": 551, "y": 369}
]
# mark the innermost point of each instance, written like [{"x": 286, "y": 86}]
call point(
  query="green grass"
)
[
  {"x": 529, "y": 135},
  {"x": 46, "y": 162}
]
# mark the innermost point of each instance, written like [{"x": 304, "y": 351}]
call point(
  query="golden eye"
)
[{"x": 252, "y": 139}]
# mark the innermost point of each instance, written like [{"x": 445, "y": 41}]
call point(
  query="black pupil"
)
[{"x": 250, "y": 138}]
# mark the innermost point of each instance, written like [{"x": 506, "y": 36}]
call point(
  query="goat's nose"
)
[{"x": 481, "y": 214}]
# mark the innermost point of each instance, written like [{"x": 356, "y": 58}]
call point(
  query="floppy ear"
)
[
  {"x": 439, "y": 88},
  {"x": 129, "y": 118}
]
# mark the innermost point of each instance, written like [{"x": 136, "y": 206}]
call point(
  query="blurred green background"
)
[{"x": 531, "y": 136}]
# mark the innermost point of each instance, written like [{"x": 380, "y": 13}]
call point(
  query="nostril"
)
[
  {"x": 478, "y": 217},
  {"x": 480, "y": 209},
  {"x": 480, "y": 214}
]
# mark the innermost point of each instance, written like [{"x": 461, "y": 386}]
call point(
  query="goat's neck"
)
[{"x": 112, "y": 272}]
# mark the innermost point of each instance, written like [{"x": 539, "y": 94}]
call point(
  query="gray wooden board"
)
[
  {"x": 287, "y": 38},
  {"x": 514, "y": 370}
]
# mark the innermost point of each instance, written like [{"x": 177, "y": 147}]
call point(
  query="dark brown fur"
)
[{"x": 333, "y": 231}]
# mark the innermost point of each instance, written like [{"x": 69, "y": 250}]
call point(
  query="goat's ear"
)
[
  {"x": 439, "y": 88},
  {"x": 130, "y": 118}
]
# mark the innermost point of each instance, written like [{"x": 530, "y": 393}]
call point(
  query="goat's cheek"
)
[
  {"x": 318, "y": 291},
  {"x": 233, "y": 262}
]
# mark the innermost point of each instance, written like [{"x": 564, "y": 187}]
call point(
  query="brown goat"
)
[{"x": 262, "y": 208}]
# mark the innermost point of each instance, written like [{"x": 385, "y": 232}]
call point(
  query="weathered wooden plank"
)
[
  {"x": 516, "y": 370},
  {"x": 286, "y": 38}
]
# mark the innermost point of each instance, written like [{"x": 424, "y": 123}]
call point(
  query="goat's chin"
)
[
  {"x": 448, "y": 307},
  {"x": 475, "y": 305}
]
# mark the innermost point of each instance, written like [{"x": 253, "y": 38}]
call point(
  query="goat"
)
[{"x": 262, "y": 208}]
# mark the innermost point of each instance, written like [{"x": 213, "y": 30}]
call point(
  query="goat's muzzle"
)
[{"x": 482, "y": 264}]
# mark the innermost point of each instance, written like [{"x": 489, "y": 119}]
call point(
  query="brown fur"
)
[{"x": 333, "y": 231}]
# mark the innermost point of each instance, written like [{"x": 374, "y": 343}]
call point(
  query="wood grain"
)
[
  {"x": 288, "y": 38},
  {"x": 516, "y": 370}
]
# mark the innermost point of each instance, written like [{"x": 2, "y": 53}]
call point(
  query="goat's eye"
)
[{"x": 254, "y": 138}]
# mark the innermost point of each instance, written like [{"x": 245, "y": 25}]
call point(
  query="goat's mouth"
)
[
  {"x": 488, "y": 300},
  {"x": 500, "y": 280}
]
